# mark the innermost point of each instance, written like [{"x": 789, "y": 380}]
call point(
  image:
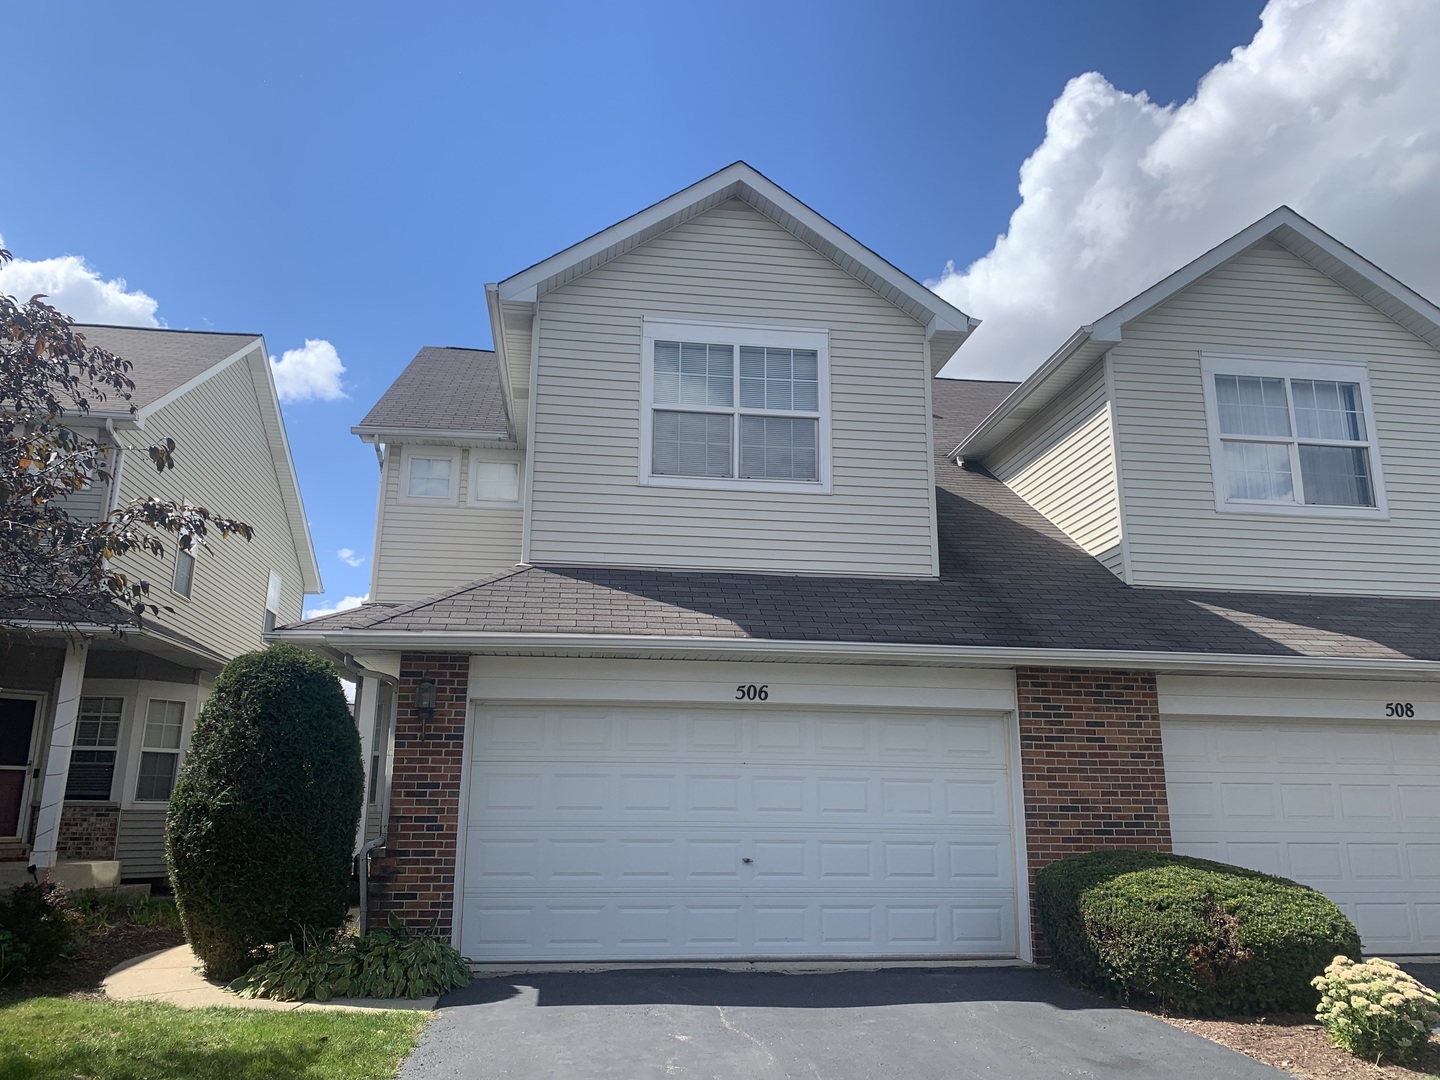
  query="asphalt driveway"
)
[{"x": 896, "y": 1024}]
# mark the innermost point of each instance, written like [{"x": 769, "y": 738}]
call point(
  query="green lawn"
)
[{"x": 58, "y": 1039}]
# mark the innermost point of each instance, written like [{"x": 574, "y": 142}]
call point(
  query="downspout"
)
[
  {"x": 364, "y": 872},
  {"x": 112, "y": 501}
]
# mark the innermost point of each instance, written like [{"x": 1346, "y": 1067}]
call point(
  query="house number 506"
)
[{"x": 751, "y": 692}]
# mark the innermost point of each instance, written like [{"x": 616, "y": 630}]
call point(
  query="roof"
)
[
  {"x": 1009, "y": 581},
  {"x": 742, "y": 181},
  {"x": 442, "y": 390},
  {"x": 1283, "y": 225},
  {"x": 165, "y": 361}
]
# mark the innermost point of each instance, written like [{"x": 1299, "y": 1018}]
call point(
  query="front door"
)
[{"x": 17, "y": 734}]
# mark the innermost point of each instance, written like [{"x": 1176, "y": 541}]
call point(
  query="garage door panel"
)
[
  {"x": 682, "y": 833},
  {"x": 1360, "y": 825},
  {"x": 622, "y": 734},
  {"x": 500, "y": 860},
  {"x": 614, "y": 927},
  {"x": 539, "y": 793}
]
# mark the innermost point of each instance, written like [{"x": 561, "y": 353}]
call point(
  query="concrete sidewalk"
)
[{"x": 173, "y": 975}]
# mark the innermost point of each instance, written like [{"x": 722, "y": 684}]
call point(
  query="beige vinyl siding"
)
[
  {"x": 140, "y": 843},
  {"x": 423, "y": 550},
  {"x": 1063, "y": 464},
  {"x": 1267, "y": 302},
  {"x": 222, "y": 462},
  {"x": 733, "y": 265}
]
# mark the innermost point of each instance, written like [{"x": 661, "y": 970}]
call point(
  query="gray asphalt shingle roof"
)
[
  {"x": 444, "y": 390},
  {"x": 163, "y": 359},
  {"x": 1008, "y": 578}
]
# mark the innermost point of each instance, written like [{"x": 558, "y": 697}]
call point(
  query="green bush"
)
[
  {"x": 1375, "y": 1010},
  {"x": 38, "y": 925},
  {"x": 262, "y": 822},
  {"x": 1197, "y": 937},
  {"x": 398, "y": 962}
]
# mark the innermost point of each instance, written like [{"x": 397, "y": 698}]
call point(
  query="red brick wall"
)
[
  {"x": 415, "y": 876},
  {"x": 87, "y": 831},
  {"x": 1092, "y": 764}
]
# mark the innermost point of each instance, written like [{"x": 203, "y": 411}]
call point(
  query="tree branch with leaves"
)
[{"x": 55, "y": 565}]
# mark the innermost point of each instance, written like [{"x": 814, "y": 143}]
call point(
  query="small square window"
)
[
  {"x": 430, "y": 478},
  {"x": 495, "y": 481}
]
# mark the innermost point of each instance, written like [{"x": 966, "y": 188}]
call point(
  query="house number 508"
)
[{"x": 751, "y": 692}]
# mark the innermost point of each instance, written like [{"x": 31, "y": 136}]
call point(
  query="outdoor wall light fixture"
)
[{"x": 425, "y": 700}]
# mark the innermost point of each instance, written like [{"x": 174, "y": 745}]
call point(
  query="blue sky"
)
[{"x": 354, "y": 173}]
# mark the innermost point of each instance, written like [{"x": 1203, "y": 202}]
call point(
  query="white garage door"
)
[
  {"x": 1352, "y": 810},
  {"x": 663, "y": 833}
]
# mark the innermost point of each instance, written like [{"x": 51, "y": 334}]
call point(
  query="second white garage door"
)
[
  {"x": 681, "y": 834},
  {"x": 1349, "y": 809}
]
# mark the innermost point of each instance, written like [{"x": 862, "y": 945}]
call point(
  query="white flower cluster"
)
[{"x": 1375, "y": 1010}]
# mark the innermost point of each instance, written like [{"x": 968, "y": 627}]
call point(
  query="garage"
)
[
  {"x": 655, "y": 832},
  {"x": 1351, "y": 809}
]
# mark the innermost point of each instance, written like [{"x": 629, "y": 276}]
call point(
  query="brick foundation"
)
[
  {"x": 415, "y": 877},
  {"x": 87, "y": 831},
  {"x": 1092, "y": 765}
]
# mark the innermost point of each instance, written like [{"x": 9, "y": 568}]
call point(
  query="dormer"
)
[{"x": 1259, "y": 420}]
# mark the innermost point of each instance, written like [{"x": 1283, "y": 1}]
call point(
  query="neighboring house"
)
[
  {"x": 94, "y": 723},
  {"x": 707, "y": 624}
]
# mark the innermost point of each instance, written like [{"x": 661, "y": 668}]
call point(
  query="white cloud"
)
[
  {"x": 349, "y": 603},
  {"x": 71, "y": 286},
  {"x": 309, "y": 373},
  {"x": 1331, "y": 109},
  {"x": 349, "y": 558}
]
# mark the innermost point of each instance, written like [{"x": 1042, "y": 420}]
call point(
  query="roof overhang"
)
[
  {"x": 1300, "y": 237},
  {"x": 823, "y": 652}
]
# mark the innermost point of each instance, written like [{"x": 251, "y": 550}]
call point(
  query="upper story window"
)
[
  {"x": 272, "y": 602},
  {"x": 494, "y": 481},
  {"x": 735, "y": 407},
  {"x": 184, "y": 579},
  {"x": 1291, "y": 437},
  {"x": 429, "y": 474}
]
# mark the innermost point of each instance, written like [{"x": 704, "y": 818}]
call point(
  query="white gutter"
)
[{"x": 847, "y": 652}]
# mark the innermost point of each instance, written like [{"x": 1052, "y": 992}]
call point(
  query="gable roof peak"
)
[{"x": 741, "y": 180}]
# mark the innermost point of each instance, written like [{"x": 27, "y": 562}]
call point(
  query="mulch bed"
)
[
  {"x": 1299, "y": 1045},
  {"x": 80, "y": 976}
]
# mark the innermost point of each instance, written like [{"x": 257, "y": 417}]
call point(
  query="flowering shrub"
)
[{"x": 1375, "y": 1010}]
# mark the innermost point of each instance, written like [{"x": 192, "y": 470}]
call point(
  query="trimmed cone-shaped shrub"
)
[
  {"x": 1198, "y": 937},
  {"x": 262, "y": 822}
]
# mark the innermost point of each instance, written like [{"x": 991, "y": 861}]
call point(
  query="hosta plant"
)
[
  {"x": 397, "y": 962},
  {"x": 1375, "y": 1010}
]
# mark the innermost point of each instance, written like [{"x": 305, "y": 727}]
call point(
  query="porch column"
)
[
  {"x": 57, "y": 760},
  {"x": 367, "y": 697}
]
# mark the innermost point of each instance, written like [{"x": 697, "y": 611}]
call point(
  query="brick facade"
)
[
  {"x": 415, "y": 876},
  {"x": 1091, "y": 763},
  {"x": 87, "y": 831}
]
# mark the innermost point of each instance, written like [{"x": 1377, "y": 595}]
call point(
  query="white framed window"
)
[
  {"x": 184, "y": 580},
  {"x": 92, "y": 757},
  {"x": 494, "y": 481},
  {"x": 272, "y": 602},
  {"x": 741, "y": 407},
  {"x": 1292, "y": 437},
  {"x": 160, "y": 750},
  {"x": 429, "y": 475}
]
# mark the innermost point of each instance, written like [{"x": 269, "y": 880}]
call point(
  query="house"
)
[
  {"x": 95, "y": 719},
  {"x": 708, "y": 624}
]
